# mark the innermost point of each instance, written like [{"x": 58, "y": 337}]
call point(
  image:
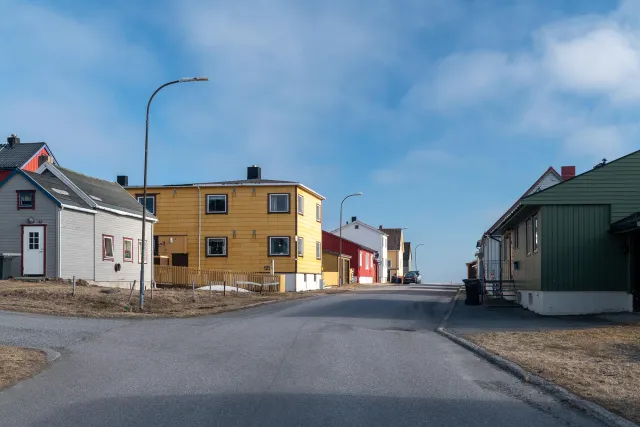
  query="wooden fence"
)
[{"x": 186, "y": 276}]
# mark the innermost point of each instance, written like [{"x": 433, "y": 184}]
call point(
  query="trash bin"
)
[{"x": 472, "y": 288}]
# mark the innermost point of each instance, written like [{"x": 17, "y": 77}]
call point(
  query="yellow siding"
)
[
  {"x": 177, "y": 211},
  {"x": 393, "y": 256},
  {"x": 330, "y": 278},
  {"x": 310, "y": 229}
]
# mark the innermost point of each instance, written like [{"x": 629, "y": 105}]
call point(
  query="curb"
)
[
  {"x": 560, "y": 393},
  {"x": 51, "y": 355}
]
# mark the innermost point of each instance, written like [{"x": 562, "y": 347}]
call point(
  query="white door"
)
[{"x": 33, "y": 250}]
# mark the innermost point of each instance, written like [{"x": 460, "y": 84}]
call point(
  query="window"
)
[
  {"x": 127, "y": 249},
  {"x": 146, "y": 249},
  {"x": 151, "y": 202},
  {"x": 300, "y": 204},
  {"x": 516, "y": 237},
  {"x": 318, "y": 212},
  {"x": 388, "y": 263},
  {"x": 216, "y": 203},
  {"x": 535, "y": 234},
  {"x": 107, "y": 247},
  {"x": 360, "y": 259},
  {"x": 216, "y": 246},
  {"x": 278, "y": 246},
  {"x": 278, "y": 203},
  {"x": 300, "y": 247},
  {"x": 357, "y": 227},
  {"x": 366, "y": 257},
  {"x": 26, "y": 199},
  {"x": 34, "y": 240},
  {"x": 528, "y": 236},
  {"x": 372, "y": 261},
  {"x": 318, "y": 250}
]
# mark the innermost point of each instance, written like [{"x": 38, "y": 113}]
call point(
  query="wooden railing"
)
[{"x": 188, "y": 276}]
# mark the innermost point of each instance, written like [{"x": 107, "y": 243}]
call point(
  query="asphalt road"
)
[{"x": 364, "y": 358}]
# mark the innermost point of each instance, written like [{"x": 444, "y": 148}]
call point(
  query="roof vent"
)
[
  {"x": 95, "y": 198},
  {"x": 13, "y": 140},
  {"x": 601, "y": 164},
  {"x": 254, "y": 172},
  {"x": 63, "y": 192}
]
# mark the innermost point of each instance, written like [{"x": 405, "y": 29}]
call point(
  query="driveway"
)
[{"x": 363, "y": 358}]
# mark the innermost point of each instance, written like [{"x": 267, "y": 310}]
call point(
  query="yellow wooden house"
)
[{"x": 242, "y": 225}]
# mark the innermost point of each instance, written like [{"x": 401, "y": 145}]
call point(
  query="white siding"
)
[
  {"x": 120, "y": 227},
  {"x": 76, "y": 245},
  {"x": 11, "y": 219},
  {"x": 547, "y": 181},
  {"x": 371, "y": 239}
]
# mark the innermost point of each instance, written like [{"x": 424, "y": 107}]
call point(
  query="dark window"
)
[
  {"x": 180, "y": 260},
  {"x": 151, "y": 202},
  {"x": 535, "y": 233},
  {"x": 26, "y": 199},
  {"x": 216, "y": 203},
  {"x": 278, "y": 246},
  {"x": 216, "y": 246},
  {"x": 278, "y": 203}
]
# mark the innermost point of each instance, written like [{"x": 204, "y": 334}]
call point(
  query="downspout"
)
[
  {"x": 59, "y": 242},
  {"x": 295, "y": 213},
  {"x": 199, "y": 226}
]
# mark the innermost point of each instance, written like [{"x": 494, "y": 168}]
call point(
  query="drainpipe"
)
[
  {"x": 199, "y": 226},
  {"x": 59, "y": 240}
]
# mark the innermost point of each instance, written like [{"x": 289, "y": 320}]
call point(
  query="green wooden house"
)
[{"x": 576, "y": 246}]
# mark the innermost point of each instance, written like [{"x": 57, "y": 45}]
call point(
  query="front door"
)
[{"x": 33, "y": 250}]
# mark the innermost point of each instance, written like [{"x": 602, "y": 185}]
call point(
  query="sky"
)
[{"x": 442, "y": 112}]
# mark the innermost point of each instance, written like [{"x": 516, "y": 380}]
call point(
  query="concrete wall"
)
[
  {"x": 11, "y": 219},
  {"x": 575, "y": 303},
  {"x": 300, "y": 282}
]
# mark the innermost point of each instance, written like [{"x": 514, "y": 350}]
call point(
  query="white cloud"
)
[{"x": 598, "y": 142}]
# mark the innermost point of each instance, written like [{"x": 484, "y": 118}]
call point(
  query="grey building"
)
[
  {"x": 407, "y": 257},
  {"x": 57, "y": 223}
]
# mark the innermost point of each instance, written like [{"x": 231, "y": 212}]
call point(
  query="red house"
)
[
  {"x": 27, "y": 156},
  {"x": 362, "y": 258}
]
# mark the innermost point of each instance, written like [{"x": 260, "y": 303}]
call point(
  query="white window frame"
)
[
  {"x": 152, "y": 197},
  {"x": 271, "y": 195},
  {"x": 300, "y": 247},
  {"x": 360, "y": 259},
  {"x": 535, "y": 225},
  {"x": 300, "y": 204},
  {"x": 366, "y": 257},
  {"x": 280, "y": 237},
  {"x": 124, "y": 248},
  {"x": 372, "y": 261},
  {"x": 226, "y": 249},
  {"x": 318, "y": 250},
  {"x": 226, "y": 204},
  {"x": 106, "y": 257},
  {"x": 318, "y": 212}
]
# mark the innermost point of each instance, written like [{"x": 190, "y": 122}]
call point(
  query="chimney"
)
[
  {"x": 380, "y": 227},
  {"x": 43, "y": 158},
  {"x": 13, "y": 140},
  {"x": 567, "y": 172},
  {"x": 123, "y": 180},
  {"x": 254, "y": 172},
  {"x": 354, "y": 219}
]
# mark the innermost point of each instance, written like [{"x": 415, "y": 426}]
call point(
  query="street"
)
[{"x": 363, "y": 358}]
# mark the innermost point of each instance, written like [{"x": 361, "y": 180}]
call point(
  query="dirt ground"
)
[
  {"x": 96, "y": 301},
  {"x": 18, "y": 363},
  {"x": 599, "y": 364}
]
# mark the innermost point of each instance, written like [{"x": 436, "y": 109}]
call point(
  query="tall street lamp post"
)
[
  {"x": 340, "y": 268},
  {"x": 415, "y": 258},
  {"x": 144, "y": 195}
]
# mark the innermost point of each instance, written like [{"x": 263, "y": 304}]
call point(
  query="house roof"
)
[
  {"x": 104, "y": 193},
  {"x": 18, "y": 155},
  {"x": 393, "y": 241},
  {"x": 56, "y": 188},
  {"x": 359, "y": 223},
  {"x": 513, "y": 207},
  {"x": 330, "y": 234}
]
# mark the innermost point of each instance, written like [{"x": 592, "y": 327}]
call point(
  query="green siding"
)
[
  {"x": 615, "y": 184},
  {"x": 578, "y": 252},
  {"x": 527, "y": 277}
]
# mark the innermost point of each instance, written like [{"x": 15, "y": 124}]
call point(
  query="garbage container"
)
[{"x": 472, "y": 288}]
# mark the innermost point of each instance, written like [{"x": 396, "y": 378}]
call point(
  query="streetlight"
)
[
  {"x": 416, "y": 255},
  {"x": 144, "y": 195},
  {"x": 340, "y": 255}
]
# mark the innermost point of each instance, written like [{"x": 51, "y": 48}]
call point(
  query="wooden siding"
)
[
  {"x": 615, "y": 184},
  {"x": 32, "y": 165},
  {"x": 579, "y": 254},
  {"x": 76, "y": 245},
  {"x": 45, "y": 213},
  {"x": 247, "y": 210},
  {"x": 311, "y": 230},
  {"x": 120, "y": 227},
  {"x": 528, "y": 275}
]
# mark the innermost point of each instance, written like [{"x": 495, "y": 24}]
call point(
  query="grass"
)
[
  {"x": 18, "y": 363},
  {"x": 599, "y": 364},
  {"x": 96, "y": 301}
]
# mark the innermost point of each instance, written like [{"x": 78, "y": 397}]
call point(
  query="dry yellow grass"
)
[
  {"x": 18, "y": 363},
  {"x": 599, "y": 364},
  {"x": 95, "y": 301}
]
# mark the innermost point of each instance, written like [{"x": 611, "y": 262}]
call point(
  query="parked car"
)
[{"x": 413, "y": 277}]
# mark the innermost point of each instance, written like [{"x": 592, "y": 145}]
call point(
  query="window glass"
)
[
  {"x": 151, "y": 203},
  {"x": 278, "y": 246},
  {"x": 216, "y": 203},
  {"x": 216, "y": 246},
  {"x": 25, "y": 199},
  {"x": 300, "y": 246},
  {"x": 278, "y": 203},
  {"x": 300, "y": 204},
  {"x": 107, "y": 243},
  {"x": 128, "y": 250}
]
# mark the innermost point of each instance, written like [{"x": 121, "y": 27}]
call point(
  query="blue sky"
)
[{"x": 441, "y": 111}]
